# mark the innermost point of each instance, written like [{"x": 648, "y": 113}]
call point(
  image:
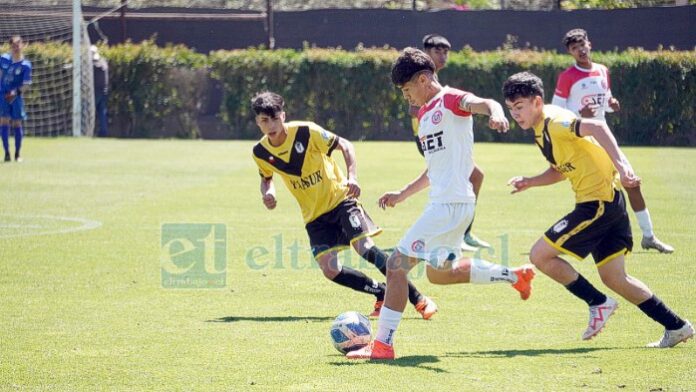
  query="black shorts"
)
[
  {"x": 418, "y": 144},
  {"x": 594, "y": 227},
  {"x": 338, "y": 228}
]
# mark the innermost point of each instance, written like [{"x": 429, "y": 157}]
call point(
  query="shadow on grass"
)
[
  {"x": 270, "y": 319},
  {"x": 527, "y": 353},
  {"x": 412, "y": 361}
]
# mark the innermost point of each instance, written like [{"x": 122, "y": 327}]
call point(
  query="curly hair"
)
[
  {"x": 267, "y": 103},
  {"x": 573, "y": 36},
  {"x": 523, "y": 85},
  {"x": 410, "y": 62}
]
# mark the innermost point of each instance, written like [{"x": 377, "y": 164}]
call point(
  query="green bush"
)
[
  {"x": 155, "y": 91},
  {"x": 351, "y": 94},
  {"x": 163, "y": 92}
]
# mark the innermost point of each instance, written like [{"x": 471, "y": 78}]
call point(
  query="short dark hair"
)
[
  {"x": 267, "y": 103},
  {"x": 573, "y": 36},
  {"x": 410, "y": 62},
  {"x": 523, "y": 85},
  {"x": 435, "y": 41}
]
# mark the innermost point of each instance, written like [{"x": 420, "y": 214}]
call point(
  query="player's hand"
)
[
  {"x": 588, "y": 111},
  {"x": 389, "y": 199},
  {"x": 269, "y": 200},
  {"x": 519, "y": 184},
  {"x": 629, "y": 179},
  {"x": 353, "y": 188},
  {"x": 10, "y": 96},
  {"x": 614, "y": 104},
  {"x": 499, "y": 122}
]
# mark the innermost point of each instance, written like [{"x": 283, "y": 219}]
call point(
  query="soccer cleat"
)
[
  {"x": 525, "y": 275},
  {"x": 426, "y": 307},
  {"x": 674, "y": 337},
  {"x": 7, "y": 157},
  {"x": 475, "y": 242},
  {"x": 467, "y": 248},
  {"x": 378, "y": 308},
  {"x": 654, "y": 243},
  {"x": 599, "y": 315},
  {"x": 18, "y": 158},
  {"x": 374, "y": 350}
]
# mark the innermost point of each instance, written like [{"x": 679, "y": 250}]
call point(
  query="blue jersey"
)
[{"x": 13, "y": 75}]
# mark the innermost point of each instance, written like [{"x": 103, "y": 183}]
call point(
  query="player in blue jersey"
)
[{"x": 15, "y": 75}]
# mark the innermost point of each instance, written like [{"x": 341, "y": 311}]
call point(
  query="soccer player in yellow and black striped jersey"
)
[
  {"x": 300, "y": 153},
  {"x": 437, "y": 48},
  {"x": 585, "y": 152}
]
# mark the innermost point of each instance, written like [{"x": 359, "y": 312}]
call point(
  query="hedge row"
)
[{"x": 168, "y": 92}]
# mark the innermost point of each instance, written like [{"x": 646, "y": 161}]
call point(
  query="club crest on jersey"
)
[
  {"x": 354, "y": 221},
  {"x": 18, "y": 71},
  {"x": 271, "y": 159},
  {"x": 299, "y": 147},
  {"x": 558, "y": 227},
  {"x": 437, "y": 117},
  {"x": 418, "y": 246}
]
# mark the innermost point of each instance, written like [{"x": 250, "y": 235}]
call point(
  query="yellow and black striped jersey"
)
[
  {"x": 580, "y": 159},
  {"x": 304, "y": 163}
]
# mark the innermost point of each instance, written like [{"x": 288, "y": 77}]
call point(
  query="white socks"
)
[
  {"x": 386, "y": 326},
  {"x": 483, "y": 272},
  {"x": 645, "y": 223}
]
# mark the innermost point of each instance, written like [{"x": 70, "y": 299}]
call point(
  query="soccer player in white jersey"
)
[
  {"x": 585, "y": 89},
  {"x": 446, "y": 135}
]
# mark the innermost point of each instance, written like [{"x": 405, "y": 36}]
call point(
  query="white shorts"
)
[{"x": 437, "y": 235}]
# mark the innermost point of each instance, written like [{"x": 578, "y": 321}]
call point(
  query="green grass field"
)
[{"x": 83, "y": 307}]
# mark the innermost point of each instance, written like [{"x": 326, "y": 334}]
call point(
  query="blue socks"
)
[
  {"x": 5, "y": 129},
  {"x": 18, "y": 140}
]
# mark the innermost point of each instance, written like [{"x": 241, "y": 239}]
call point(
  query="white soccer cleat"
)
[
  {"x": 654, "y": 243},
  {"x": 674, "y": 337},
  {"x": 599, "y": 315},
  {"x": 475, "y": 242}
]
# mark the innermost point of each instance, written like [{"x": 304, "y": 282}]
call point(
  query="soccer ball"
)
[{"x": 350, "y": 331}]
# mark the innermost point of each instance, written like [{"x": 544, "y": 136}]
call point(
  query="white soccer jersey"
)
[
  {"x": 578, "y": 87},
  {"x": 446, "y": 135}
]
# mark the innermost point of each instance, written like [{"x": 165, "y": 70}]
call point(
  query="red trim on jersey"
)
[
  {"x": 452, "y": 99},
  {"x": 572, "y": 75},
  {"x": 425, "y": 108}
]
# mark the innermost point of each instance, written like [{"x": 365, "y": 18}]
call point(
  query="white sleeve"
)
[{"x": 558, "y": 101}]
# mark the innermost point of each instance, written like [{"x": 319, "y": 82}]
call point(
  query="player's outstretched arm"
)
[
  {"x": 391, "y": 199},
  {"x": 268, "y": 193},
  {"x": 601, "y": 132},
  {"x": 548, "y": 177},
  {"x": 348, "y": 151},
  {"x": 473, "y": 104}
]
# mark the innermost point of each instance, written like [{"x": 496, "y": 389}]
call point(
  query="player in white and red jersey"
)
[
  {"x": 446, "y": 136},
  {"x": 585, "y": 89}
]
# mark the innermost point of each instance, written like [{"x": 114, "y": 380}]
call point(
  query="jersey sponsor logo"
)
[
  {"x": 307, "y": 181},
  {"x": 433, "y": 142},
  {"x": 437, "y": 117},
  {"x": 593, "y": 100},
  {"x": 566, "y": 167},
  {"x": 558, "y": 227},
  {"x": 418, "y": 245},
  {"x": 299, "y": 147}
]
